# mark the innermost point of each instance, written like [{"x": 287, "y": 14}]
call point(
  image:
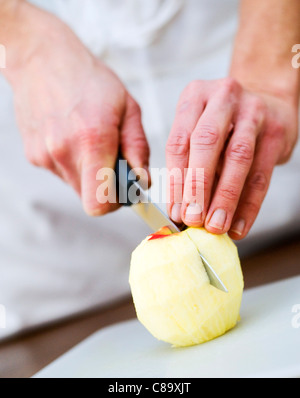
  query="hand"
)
[
  {"x": 237, "y": 137},
  {"x": 73, "y": 112}
]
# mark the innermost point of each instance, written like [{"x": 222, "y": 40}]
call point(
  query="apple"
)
[
  {"x": 171, "y": 290},
  {"x": 162, "y": 233}
]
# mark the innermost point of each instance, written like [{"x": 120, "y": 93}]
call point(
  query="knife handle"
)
[{"x": 123, "y": 182}]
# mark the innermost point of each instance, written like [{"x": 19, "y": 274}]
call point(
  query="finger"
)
[
  {"x": 255, "y": 188},
  {"x": 59, "y": 150},
  {"x": 133, "y": 141},
  {"x": 206, "y": 146},
  {"x": 189, "y": 109},
  {"x": 237, "y": 163},
  {"x": 37, "y": 153},
  {"x": 99, "y": 149}
]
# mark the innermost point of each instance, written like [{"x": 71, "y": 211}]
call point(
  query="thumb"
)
[
  {"x": 99, "y": 152},
  {"x": 133, "y": 141}
]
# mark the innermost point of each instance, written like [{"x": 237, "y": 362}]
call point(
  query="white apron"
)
[{"x": 54, "y": 260}]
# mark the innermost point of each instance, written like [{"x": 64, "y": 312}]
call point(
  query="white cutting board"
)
[{"x": 266, "y": 343}]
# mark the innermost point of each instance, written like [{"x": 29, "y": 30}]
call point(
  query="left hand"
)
[{"x": 238, "y": 137}]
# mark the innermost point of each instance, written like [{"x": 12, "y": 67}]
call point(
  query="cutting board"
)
[{"x": 266, "y": 343}]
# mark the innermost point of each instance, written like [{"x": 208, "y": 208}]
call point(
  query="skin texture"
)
[
  {"x": 74, "y": 114},
  {"x": 239, "y": 128}
]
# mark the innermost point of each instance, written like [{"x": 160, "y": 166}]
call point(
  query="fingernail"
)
[
  {"x": 218, "y": 219},
  {"x": 193, "y": 213},
  {"x": 238, "y": 227},
  {"x": 176, "y": 213}
]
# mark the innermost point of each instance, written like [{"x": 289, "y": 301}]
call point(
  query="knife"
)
[{"x": 131, "y": 194}]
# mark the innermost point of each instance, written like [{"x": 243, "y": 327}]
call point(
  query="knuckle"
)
[
  {"x": 229, "y": 193},
  {"x": 230, "y": 85},
  {"x": 57, "y": 149},
  {"x": 276, "y": 131},
  {"x": 94, "y": 138},
  {"x": 192, "y": 92},
  {"x": 254, "y": 112},
  {"x": 109, "y": 115},
  {"x": 241, "y": 152},
  {"x": 202, "y": 180},
  {"x": 45, "y": 161},
  {"x": 194, "y": 85},
  {"x": 86, "y": 136},
  {"x": 178, "y": 143},
  {"x": 207, "y": 136},
  {"x": 257, "y": 105},
  {"x": 40, "y": 159},
  {"x": 252, "y": 207},
  {"x": 258, "y": 181}
]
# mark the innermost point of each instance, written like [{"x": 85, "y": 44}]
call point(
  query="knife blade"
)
[{"x": 131, "y": 193}]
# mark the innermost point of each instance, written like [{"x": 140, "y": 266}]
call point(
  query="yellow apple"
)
[{"x": 171, "y": 291}]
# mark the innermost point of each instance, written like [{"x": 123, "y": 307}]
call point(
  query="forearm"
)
[
  {"x": 7, "y": 6},
  {"x": 10, "y": 21},
  {"x": 16, "y": 35},
  {"x": 262, "y": 54},
  {"x": 25, "y": 31}
]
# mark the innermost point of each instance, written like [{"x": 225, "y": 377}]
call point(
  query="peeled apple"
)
[{"x": 171, "y": 291}]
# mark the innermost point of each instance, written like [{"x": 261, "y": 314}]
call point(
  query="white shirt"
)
[{"x": 54, "y": 260}]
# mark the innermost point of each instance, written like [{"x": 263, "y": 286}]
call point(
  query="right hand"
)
[{"x": 73, "y": 112}]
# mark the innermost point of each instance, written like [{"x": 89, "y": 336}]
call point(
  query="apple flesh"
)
[{"x": 172, "y": 293}]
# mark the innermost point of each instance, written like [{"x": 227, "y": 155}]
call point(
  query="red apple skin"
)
[
  {"x": 156, "y": 236},
  {"x": 161, "y": 233}
]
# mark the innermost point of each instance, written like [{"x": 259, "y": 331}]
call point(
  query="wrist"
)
[
  {"x": 7, "y": 8},
  {"x": 12, "y": 22},
  {"x": 276, "y": 77},
  {"x": 262, "y": 57},
  {"x": 23, "y": 32}
]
